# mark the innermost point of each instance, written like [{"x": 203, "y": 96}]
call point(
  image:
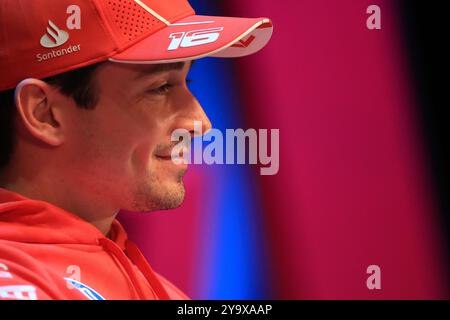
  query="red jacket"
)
[{"x": 49, "y": 253}]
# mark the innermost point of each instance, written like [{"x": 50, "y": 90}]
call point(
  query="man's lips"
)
[
  {"x": 176, "y": 163},
  {"x": 164, "y": 157},
  {"x": 168, "y": 155}
]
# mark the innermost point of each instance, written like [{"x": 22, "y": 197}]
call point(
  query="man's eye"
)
[{"x": 162, "y": 90}]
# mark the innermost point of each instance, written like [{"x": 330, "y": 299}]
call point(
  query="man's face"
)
[{"x": 121, "y": 150}]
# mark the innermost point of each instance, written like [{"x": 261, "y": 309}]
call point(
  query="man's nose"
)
[{"x": 193, "y": 118}]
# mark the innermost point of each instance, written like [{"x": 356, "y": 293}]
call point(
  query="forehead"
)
[
  {"x": 135, "y": 72},
  {"x": 145, "y": 70},
  {"x": 120, "y": 81}
]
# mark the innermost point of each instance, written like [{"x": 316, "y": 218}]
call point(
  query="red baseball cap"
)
[{"x": 42, "y": 38}]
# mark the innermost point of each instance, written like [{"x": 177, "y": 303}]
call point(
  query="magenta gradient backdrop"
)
[{"x": 353, "y": 187}]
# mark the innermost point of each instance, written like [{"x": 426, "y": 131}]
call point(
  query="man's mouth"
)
[
  {"x": 167, "y": 154},
  {"x": 164, "y": 157}
]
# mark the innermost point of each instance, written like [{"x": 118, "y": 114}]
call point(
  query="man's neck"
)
[{"x": 87, "y": 206}]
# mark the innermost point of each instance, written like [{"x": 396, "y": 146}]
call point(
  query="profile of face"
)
[{"x": 121, "y": 150}]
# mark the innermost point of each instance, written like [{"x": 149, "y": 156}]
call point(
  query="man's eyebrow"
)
[{"x": 150, "y": 70}]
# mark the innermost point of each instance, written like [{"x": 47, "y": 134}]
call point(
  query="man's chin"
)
[
  {"x": 161, "y": 198},
  {"x": 173, "y": 199}
]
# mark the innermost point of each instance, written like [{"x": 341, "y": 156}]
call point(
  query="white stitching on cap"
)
[{"x": 153, "y": 12}]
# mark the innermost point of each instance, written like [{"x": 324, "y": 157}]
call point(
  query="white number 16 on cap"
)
[{"x": 194, "y": 38}]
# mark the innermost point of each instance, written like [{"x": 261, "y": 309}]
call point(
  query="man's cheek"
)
[{"x": 143, "y": 154}]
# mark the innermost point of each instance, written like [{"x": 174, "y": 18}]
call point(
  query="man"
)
[{"x": 90, "y": 92}]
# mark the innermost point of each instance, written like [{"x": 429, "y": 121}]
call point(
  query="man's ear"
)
[{"x": 35, "y": 106}]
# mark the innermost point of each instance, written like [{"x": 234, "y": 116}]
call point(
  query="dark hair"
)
[{"x": 77, "y": 84}]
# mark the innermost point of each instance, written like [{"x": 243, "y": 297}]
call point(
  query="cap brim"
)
[{"x": 197, "y": 37}]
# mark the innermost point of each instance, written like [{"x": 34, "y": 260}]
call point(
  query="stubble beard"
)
[{"x": 154, "y": 194}]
